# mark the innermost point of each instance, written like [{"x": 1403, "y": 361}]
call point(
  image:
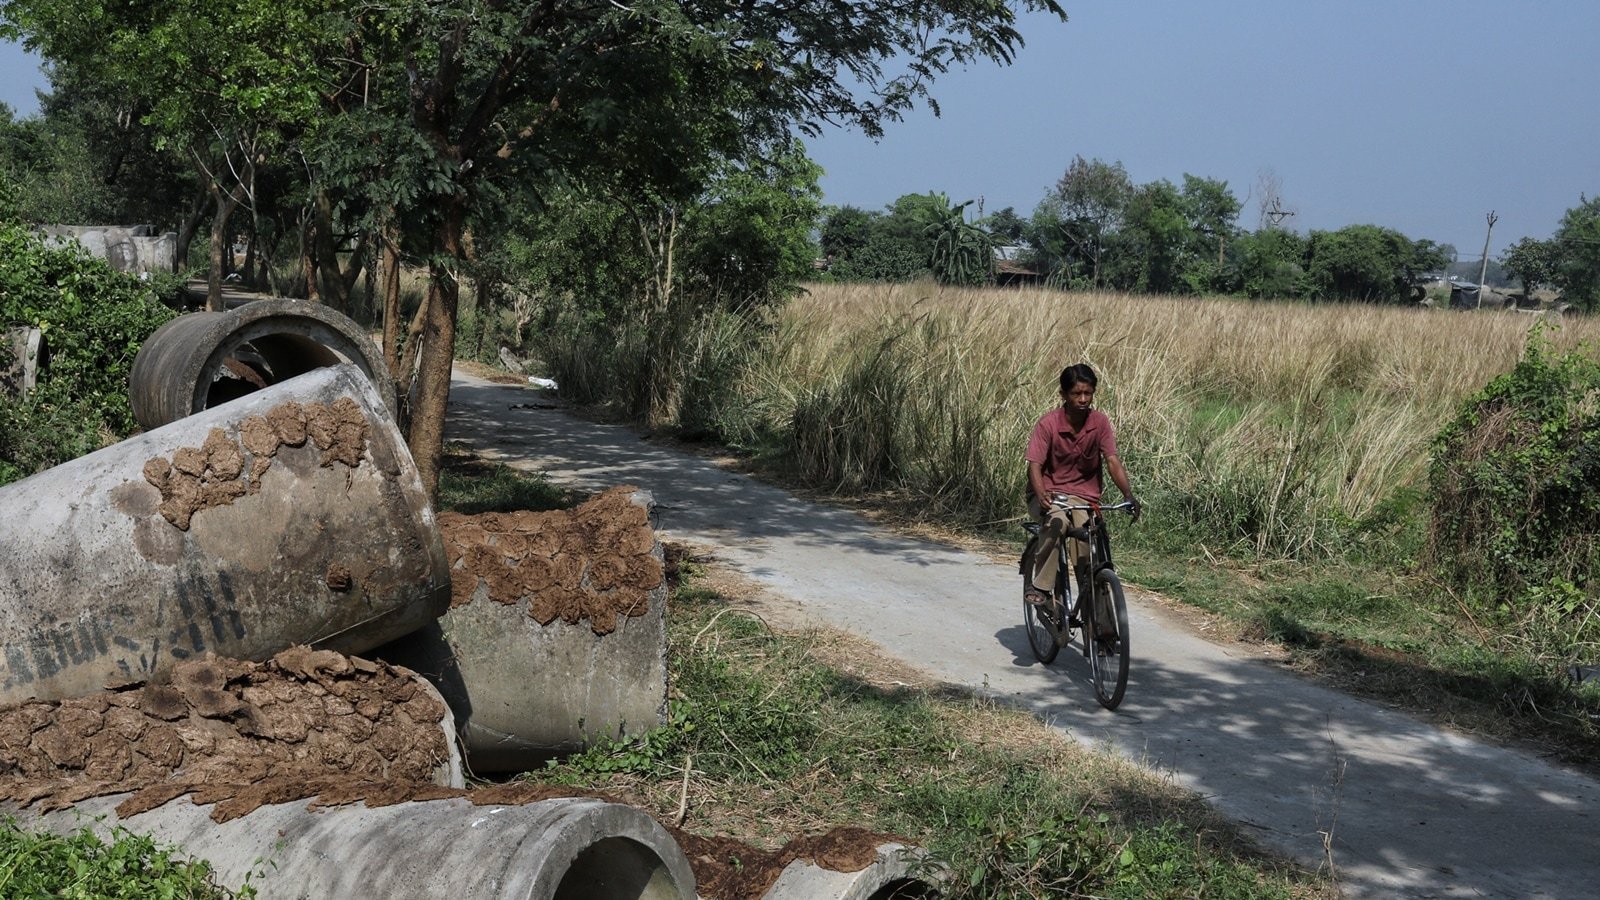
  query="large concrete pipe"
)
[
  {"x": 898, "y": 873},
  {"x": 25, "y": 355},
  {"x": 292, "y": 515},
  {"x": 563, "y": 849},
  {"x": 204, "y": 359},
  {"x": 127, "y": 248},
  {"x": 556, "y": 635}
]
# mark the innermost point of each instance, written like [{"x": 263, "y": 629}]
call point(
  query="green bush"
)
[
  {"x": 81, "y": 865},
  {"x": 93, "y": 320},
  {"x": 1516, "y": 491}
]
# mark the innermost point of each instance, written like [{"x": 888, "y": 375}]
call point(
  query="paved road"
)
[{"x": 1414, "y": 812}]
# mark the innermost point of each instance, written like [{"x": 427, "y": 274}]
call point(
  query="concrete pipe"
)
[
  {"x": 204, "y": 359},
  {"x": 564, "y": 849},
  {"x": 25, "y": 358},
  {"x": 899, "y": 873},
  {"x": 294, "y": 515},
  {"x": 556, "y": 635}
]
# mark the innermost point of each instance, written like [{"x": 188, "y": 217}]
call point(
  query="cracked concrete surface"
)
[{"x": 1413, "y": 811}]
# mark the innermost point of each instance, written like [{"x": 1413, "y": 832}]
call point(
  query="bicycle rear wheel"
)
[
  {"x": 1041, "y": 638},
  {"x": 1108, "y": 655}
]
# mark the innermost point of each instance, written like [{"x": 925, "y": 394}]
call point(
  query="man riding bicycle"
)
[{"x": 1065, "y": 454}]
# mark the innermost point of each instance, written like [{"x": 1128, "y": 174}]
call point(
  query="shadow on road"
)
[{"x": 1413, "y": 811}]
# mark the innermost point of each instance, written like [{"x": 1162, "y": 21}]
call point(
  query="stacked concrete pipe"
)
[
  {"x": 204, "y": 359},
  {"x": 294, "y": 515},
  {"x": 899, "y": 873},
  {"x": 524, "y": 692},
  {"x": 563, "y": 849}
]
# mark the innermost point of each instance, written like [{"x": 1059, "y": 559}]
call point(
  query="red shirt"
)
[{"x": 1070, "y": 459}]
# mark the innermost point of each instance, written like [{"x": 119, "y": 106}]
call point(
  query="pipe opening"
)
[
  {"x": 617, "y": 868},
  {"x": 263, "y": 362},
  {"x": 905, "y": 889}
]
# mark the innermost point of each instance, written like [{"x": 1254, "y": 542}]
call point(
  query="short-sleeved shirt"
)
[{"x": 1069, "y": 460}]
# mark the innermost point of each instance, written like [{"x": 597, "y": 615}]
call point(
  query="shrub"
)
[
  {"x": 93, "y": 320},
  {"x": 1516, "y": 489}
]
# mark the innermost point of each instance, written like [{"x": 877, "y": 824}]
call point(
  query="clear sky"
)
[{"x": 1419, "y": 115}]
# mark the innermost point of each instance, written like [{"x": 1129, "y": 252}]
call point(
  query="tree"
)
[
  {"x": 1532, "y": 262},
  {"x": 220, "y": 81},
  {"x": 476, "y": 100},
  {"x": 1211, "y": 211},
  {"x": 1269, "y": 263},
  {"x": 1155, "y": 239},
  {"x": 846, "y": 229},
  {"x": 1005, "y": 226},
  {"x": 961, "y": 252},
  {"x": 1271, "y": 212},
  {"x": 749, "y": 236},
  {"x": 1368, "y": 263},
  {"x": 1577, "y": 241},
  {"x": 535, "y": 89},
  {"x": 1089, "y": 202}
]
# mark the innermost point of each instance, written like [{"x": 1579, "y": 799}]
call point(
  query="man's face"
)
[{"x": 1079, "y": 398}]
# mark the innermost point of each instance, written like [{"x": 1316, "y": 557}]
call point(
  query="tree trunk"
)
[
  {"x": 248, "y": 272},
  {"x": 389, "y": 267},
  {"x": 225, "y": 205},
  {"x": 325, "y": 255},
  {"x": 348, "y": 277},
  {"x": 437, "y": 353},
  {"x": 308, "y": 270},
  {"x": 190, "y": 226}
]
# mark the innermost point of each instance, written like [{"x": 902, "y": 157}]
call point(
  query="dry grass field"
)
[{"x": 1270, "y": 423}]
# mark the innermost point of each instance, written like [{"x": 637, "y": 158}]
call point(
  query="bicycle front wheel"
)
[
  {"x": 1041, "y": 638},
  {"x": 1108, "y": 656}
]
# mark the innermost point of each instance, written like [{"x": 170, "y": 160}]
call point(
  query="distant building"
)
[{"x": 1010, "y": 271}]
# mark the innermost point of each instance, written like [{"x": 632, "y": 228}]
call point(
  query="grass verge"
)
[{"x": 775, "y": 734}]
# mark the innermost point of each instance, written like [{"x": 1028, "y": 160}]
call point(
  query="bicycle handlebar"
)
[
  {"x": 1083, "y": 534},
  {"x": 1120, "y": 506}
]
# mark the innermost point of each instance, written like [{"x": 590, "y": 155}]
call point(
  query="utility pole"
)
[{"x": 1483, "y": 269}]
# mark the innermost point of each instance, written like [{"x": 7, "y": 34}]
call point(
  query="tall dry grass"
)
[{"x": 1272, "y": 429}]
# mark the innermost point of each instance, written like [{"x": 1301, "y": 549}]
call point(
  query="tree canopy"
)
[{"x": 422, "y": 120}]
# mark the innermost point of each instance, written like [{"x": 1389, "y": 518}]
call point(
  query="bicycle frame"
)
[
  {"x": 1093, "y": 533},
  {"x": 1104, "y": 625}
]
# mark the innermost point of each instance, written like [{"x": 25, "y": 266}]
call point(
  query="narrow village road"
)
[{"x": 1413, "y": 811}]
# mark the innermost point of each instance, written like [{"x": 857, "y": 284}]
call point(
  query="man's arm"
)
[
  {"x": 1036, "y": 481},
  {"x": 1119, "y": 477}
]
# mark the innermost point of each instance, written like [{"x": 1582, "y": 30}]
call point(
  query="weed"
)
[{"x": 81, "y": 865}]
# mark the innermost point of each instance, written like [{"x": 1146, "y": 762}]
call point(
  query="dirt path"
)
[{"x": 1412, "y": 811}]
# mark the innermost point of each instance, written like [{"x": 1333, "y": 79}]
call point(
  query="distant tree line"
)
[{"x": 1096, "y": 229}]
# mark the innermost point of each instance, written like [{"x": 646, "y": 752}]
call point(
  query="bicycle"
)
[{"x": 1050, "y": 626}]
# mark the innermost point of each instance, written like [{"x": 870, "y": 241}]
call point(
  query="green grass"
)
[
  {"x": 783, "y": 734},
  {"x": 83, "y": 866},
  {"x": 470, "y": 486}
]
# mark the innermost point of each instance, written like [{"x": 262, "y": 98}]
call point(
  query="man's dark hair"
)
[{"x": 1071, "y": 375}]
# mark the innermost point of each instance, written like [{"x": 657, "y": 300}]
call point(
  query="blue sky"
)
[
  {"x": 1419, "y": 115},
  {"x": 1413, "y": 114}
]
